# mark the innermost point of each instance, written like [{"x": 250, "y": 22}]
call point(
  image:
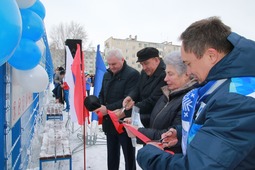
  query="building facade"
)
[
  {"x": 90, "y": 61},
  {"x": 130, "y": 46}
]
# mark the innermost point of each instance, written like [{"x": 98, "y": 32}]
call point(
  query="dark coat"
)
[
  {"x": 166, "y": 113},
  {"x": 226, "y": 137},
  {"x": 114, "y": 89},
  {"x": 148, "y": 91}
]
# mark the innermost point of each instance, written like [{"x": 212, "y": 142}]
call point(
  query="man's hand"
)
[
  {"x": 102, "y": 109},
  {"x": 127, "y": 120},
  {"x": 119, "y": 113},
  {"x": 170, "y": 138},
  {"x": 128, "y": 103},
  {"x": 130, "y": 134}
]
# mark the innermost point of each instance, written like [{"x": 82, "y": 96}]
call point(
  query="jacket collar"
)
[
  {"x": 161, "y": 67},
  {"x": 187, "y": 87},
  {"x": 237, "y": 63},
  {"x": 121, "y": 70}
]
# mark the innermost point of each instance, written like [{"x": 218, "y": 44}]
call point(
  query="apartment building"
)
[{"x": 130, "y": 46}]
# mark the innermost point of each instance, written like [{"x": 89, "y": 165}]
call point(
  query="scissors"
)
[
  {"x": 123, "y": 109},
  {"x": 160, "y": 140}
]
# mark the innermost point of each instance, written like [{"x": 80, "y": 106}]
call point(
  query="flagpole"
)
[
  {"x": 84, "y": 144},
  {"x": 83, "y": 115},
  {"x": 77, "y": 69}
]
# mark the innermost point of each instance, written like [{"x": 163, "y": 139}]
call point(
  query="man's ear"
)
[
  {"x": 157, "y": 59},
  {"x": 214, "y": 55}
]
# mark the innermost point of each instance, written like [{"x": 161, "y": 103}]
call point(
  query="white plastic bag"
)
[{"x": 136, "y": 121}]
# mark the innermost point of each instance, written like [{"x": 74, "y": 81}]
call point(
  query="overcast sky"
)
[{"x": 150, "y": 20}]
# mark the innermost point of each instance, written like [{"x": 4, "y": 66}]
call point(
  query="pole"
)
[
  {"x": 84, "y": 111},
  {"x": 84, "y": 144}
]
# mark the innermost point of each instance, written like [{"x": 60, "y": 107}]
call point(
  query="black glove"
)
[{"x": 92, "y": 103}]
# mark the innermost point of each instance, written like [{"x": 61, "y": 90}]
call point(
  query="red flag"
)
[{"x": 78, "y": 86}]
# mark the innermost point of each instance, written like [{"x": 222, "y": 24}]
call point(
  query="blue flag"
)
[{"x": 100, "y": 70}]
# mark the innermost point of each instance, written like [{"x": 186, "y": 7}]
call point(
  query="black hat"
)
[
  {"x": 62, "y": 72},
  {"x": 60, "y": 68},
  {"x": 92, "y": 103},
  {"x": 147, "y": 53}
]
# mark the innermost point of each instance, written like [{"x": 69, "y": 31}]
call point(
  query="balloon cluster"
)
[{"x": 21, "y": 43}]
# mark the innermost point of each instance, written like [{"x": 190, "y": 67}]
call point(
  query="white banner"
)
[{"x": 21, "y": 100}]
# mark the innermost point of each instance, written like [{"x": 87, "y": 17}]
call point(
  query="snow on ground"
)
[{"x": 96, "y": 154}]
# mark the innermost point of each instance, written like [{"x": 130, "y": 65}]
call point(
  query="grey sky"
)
[{"x": 150, "y": 20}]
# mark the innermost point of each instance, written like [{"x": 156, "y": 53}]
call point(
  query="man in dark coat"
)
[
  {"x": 217, "y": 118},
  {"x": 148, "y": 89},
  {"x": 117, "y": 84}
]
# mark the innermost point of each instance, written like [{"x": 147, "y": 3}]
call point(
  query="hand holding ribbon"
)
[
  {"x": 169, "y": 138},
  {"x": 92, "y": 103}
]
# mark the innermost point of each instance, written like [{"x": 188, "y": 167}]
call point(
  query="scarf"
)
[{"x": 192, "y": 102}]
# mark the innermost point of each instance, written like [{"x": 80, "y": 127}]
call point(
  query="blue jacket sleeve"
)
[
  {"x": 151, "y": 158},
  {"x": 225, "y": 140}
]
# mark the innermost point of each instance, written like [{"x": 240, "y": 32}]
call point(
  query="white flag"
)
[{"x": 70, "y": 81}]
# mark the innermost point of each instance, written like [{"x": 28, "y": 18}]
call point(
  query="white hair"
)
[
  {"x": 174, "y": 59},
  {"x": 114, "y": 53}
]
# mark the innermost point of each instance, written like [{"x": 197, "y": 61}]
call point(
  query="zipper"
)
[{"x": 159, "y": 113}]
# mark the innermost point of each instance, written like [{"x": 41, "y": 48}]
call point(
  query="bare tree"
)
[
  {"x": 58, "y": 35},
  {"x": 63, "y": 31}
]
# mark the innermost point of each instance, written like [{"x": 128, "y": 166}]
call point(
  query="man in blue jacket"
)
[{"x": 218, "y": 117}]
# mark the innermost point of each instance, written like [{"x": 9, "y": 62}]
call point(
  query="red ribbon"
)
[
  {"x": 138, "y": 134},
  {"x": 141, "y": 136},
  {"x": 115, "y": 120},
  {"x": 119, "y": 127},
  {"x": 100, "y": 118}
]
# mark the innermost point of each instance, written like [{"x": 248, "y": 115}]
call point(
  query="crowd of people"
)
[{"x": 198, "y": 103}]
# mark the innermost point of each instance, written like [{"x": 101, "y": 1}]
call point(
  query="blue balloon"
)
[
  {"x": 38, "y": 8},
  {"x": 10, "y": 29},
  {"x": 26, "y": 56},
  {"x": 32, "y": 25}
]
